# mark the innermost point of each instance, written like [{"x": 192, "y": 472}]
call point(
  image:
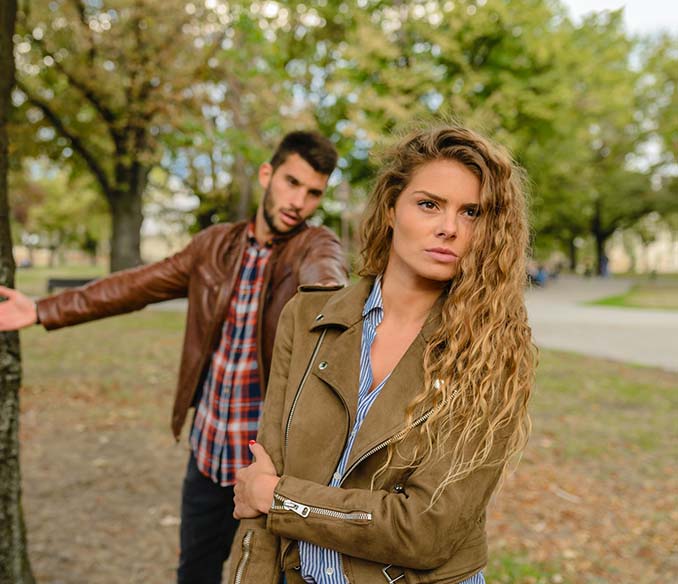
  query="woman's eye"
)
[
  {"x": 428, "y": 205},
  {"x": 472, "y": 212}
]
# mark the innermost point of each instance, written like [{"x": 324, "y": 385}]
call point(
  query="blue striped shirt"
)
[{"x": 321, "y": 565}]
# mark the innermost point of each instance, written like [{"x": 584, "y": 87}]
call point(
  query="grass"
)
[
  {"x": 507, "y": 568},
  {"x": 125, "y": 361},
  {"x": 604, "y": 410},
  {"x": 33, "y": 281},
  {"x": 661, "y": 294}
]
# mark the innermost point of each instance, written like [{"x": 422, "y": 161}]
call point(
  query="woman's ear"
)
[{"x": 390, "y": 216}]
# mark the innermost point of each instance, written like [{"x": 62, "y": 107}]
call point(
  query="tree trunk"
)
[
  {"x": 599, "y": 236},
  {"x": 572, "y": 254},
  {"x": 126, "y": 219},
  {"x": 14, "y": 565}
]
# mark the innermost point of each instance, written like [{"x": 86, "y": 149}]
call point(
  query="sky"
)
[{"x": 641, "y": 16}]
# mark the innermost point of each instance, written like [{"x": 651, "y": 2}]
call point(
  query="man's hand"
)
[
  {"x": 254, "y": 485},
  {"x": 16, "y": 311}
]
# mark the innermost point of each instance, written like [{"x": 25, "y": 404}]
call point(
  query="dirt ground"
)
[{"x": 102, "y": 477}]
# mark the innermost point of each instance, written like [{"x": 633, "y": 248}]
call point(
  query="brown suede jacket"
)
[
  {"x": 205, "y": 272},
  {"x": 382, "y": 532}
]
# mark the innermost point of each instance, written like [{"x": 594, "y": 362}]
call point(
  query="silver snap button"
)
[
  {"x": 398, "y": 488},
  {"x": 320, "y": 317},
  {"x": 336, "y": 476},
  {"x": 322, "y": 365}
]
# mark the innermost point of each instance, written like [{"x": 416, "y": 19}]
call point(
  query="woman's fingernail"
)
[{"x": 252, "y": 442}]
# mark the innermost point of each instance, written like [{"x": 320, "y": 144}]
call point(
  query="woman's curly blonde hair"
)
[{"x": 480, "y": 362}]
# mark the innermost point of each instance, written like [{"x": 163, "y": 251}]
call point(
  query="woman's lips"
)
[{"x": 443, "y": 255}]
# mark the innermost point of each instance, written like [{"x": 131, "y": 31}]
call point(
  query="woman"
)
[{"x": 394, "y": 404}]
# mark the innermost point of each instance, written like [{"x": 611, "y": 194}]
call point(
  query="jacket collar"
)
[{"x": 345, "y": 308}]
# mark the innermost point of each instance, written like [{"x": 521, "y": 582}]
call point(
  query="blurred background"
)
[{"x": 136, "y": 123}]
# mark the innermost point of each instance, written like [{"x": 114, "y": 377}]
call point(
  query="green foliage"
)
[{"x": 58, "y": 209}]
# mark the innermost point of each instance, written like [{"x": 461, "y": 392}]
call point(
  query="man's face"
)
[{"x": 291, "y": 193}]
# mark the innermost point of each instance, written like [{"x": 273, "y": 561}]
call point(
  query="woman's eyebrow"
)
[{"x": 430, "y": 195}]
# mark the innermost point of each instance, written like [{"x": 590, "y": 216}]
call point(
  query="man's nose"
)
[{"x": 298, "y": 197}]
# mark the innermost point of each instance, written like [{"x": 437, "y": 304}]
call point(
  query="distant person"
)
[
  {"x": 541, "y": 276},
  {"x": 393, "y": 405},
  {"x": 557, "y": 269},
  {"x": 604, "y": 266},
  {"x": 237, "y": 278}
]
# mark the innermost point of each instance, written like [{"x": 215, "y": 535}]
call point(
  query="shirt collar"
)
[
  {"x": 374, "y": 300},
  {"x": 252, "y": 238}
]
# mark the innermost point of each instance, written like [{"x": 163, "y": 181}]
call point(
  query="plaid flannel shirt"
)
[{"x": 227, "y": 417}]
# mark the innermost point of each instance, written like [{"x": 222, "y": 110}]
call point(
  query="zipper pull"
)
[{"x": 298, "y": 508}]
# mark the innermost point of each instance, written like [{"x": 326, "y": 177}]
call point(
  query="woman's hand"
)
[{"x": 254, "y": 485}]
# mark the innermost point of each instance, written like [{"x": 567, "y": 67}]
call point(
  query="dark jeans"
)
[{"x": 207, "y": 528}]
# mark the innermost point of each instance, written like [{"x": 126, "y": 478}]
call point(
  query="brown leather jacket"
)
[
  {"x": 205, "y": 272},
  {"x": 381, "y": 529}
]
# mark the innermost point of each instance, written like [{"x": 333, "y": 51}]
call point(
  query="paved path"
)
[{"x": 559, "y": 321}]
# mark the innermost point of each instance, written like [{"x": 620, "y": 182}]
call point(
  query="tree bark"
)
[
  {"x": 14, "y": 565},
  {"x": 126, "y": 220},
  {"x": 600, "y": 235}
]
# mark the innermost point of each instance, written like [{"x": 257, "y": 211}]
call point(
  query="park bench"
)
[{"x": 58, "y": 283}]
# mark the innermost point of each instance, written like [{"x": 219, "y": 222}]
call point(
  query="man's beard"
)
[{"x": 267, "y": 206}]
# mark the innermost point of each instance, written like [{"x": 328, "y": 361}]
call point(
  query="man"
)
[{"x": 237, "y": 278}]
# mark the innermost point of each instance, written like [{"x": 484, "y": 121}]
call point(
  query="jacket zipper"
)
[
  {"x": 280, "y": 503},
  {"x": 245, "y": 556},
  {"x": 393, "y": 438},
  {"x": 301, "y": 385}
]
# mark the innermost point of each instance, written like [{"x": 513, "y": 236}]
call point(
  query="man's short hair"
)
[{"x": 312, "y": 146}]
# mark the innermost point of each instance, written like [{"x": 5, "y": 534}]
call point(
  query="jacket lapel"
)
[
  {"x": 338, "y": 362},
  {"x": 388, "y": 414}
]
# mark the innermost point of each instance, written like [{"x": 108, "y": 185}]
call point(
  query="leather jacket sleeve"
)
[
  {"x": 122, "y": 292},
  {"x": 324, "y": 262}
]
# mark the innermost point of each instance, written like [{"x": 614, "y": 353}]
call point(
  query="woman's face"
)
[{"x": 433, "y": 220}]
